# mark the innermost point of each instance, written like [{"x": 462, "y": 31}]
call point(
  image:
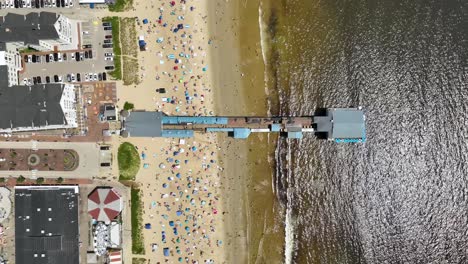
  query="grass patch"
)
[
  {"x": 115, "y": 22},
  {"x": 129, "y": 76},
  {"x": 128, "y": 39},
  {"x": 128, "y": 106},
  {"x": 138, "y": 261},
  {"x": 137, "y": 222},
  {"x": 129, "y": 162},
  {"x": 121, "y": 5},
  {"x": 27, "y": 50}
]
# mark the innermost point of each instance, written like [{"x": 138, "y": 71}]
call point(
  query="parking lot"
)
[{"x": 86, "y": 65}]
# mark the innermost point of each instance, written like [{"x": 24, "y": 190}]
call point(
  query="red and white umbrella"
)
[{"x": 104, "y": 204}]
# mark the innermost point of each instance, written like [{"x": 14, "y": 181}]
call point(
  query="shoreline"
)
[{"x": 256, "y": 228}]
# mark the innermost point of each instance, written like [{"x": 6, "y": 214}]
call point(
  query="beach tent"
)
[
  {"x": 148, "y": 226},
  {"x": 166, "y": 252}
]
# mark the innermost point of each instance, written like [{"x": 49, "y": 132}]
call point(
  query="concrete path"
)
[{"x": 89, "y": 155}]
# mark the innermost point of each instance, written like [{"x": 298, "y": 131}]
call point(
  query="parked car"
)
[
  {"x": 109, "y": 54},
  {"x": 81, "y": 56},
  {"x": 104, "y": 76},
  {"x": 109, "y": 58},
  {"x": 109, "y": 68},
  {"x": 86, "y": 54},
  {"x": 69, "y": 78},
  {"x": 39, "y": 79},
  {"x": 51, "y": 57},
  {"x": 47, "y": 79},
  {"x": 95, "y": 77},
  {"x": 77, "y": 54},
  {"x": 78, "y": 77},
  {"x": 108, "y": 36},
  {"x": 90, "y": 54},
  {"x": 106, "y": 46},
  {"x": 100, "y": 77},
  {"x": 108, "y": 41},
  {"x": 161, "y": 90},
  {"x": 87, "y": 46},
  {"x": 73, "y": 77},
  {"x": 55, "y": 56},
  {"x": 56, "y": 78},
  {"x": 106, "y": 24},
  {"x": 72, "y": 56},
  {"x": 107, "y": 28},
  {"x": 34, "y": 80},
  {"x": 86, "y": 76}
]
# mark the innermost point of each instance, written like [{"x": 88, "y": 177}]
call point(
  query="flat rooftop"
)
[{"x": 46, "y": 225}]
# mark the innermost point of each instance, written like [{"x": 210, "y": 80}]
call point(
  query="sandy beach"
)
[{"x": 181, "y": 181}]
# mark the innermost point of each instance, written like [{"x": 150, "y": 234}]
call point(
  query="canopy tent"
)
[{"x": 104, "y": 204}]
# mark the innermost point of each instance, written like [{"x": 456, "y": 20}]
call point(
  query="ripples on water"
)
[{"x": 402, "y": 196}]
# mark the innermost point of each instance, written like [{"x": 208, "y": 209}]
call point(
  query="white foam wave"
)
[{"x": 264, "y": 48}]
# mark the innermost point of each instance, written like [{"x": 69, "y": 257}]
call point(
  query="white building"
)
[
  {"x": 37, "y": 107},
  {"x": 42, "y": 31}
]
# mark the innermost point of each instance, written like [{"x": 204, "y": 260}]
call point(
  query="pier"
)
[{"x": 338, "y": 124}]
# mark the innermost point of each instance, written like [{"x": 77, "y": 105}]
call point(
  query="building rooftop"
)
[
  {"x": 46, "y": 225},
  {"x": 28, "y": 28},
  {"x": 24, "y": 106},
  {"x": 342, "y": 123},
  {"x": 143, "y": 124}
]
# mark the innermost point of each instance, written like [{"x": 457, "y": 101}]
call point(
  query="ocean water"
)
[{"x": 402, "y": 197}]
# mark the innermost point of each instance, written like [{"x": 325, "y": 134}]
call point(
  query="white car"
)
[
  {"x": 91, "y": 76},
  {"x": 86, "y": 77},
  {"x": 109, "y": 54},
  {"x": 25, "y": 81},
  {"x": 51, "y": 57},
  {"x": 59, "y": 56},
  {"x": 95, "y": 77},
  {"x": 60, "y": 78},
  {"x": 72, "y": 55},
  {"x": 73, "y": 77},
  {"x": 109, "y": 58},
  {"x": 71, "y": 3}
]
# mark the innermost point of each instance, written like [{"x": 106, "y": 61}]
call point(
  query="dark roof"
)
[
  {"x": 46, "y": 222},
  {"x": 25, "y": 106},
  {"x": 2, "y": 46},
  {"x": 144, "y": 124},
  {"x": 28, "y": 28},
  {"x": 3, "y": 75}
]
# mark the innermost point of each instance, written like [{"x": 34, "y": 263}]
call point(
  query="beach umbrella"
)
[
  {"x": 177, "y": 161},
  {"x": 176, "y": 153},
  {"x": 179, "y": 213},
  {"x": 180, "y": 259},
  {"x": 170, "y": 160},
  {"x": 194, "y": 148},
  {"x": 145, "y": 166},
  {"x": 187, "y": 228},
  {"x": 162, "y": 166},
  {"x": 171, "y": 223},
  {"x": 148, "y": 226},
  {"x": 164, "y": 185},
  {"x": 175, "y": 231},
  {"x": 143, "y": 155},
  {"x": 178, "y": 175},
  {"x": 186, "y": 161},
  {"x": 145, "y": 21}
]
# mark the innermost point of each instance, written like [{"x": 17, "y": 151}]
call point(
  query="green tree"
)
[
  {"x": 20, "y": 179},
  {"x": 40, "y": 180},
  {"x": 59, "y": 180}
]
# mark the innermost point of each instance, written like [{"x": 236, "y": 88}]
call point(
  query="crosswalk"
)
[{"x": 34, "y": 145}]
